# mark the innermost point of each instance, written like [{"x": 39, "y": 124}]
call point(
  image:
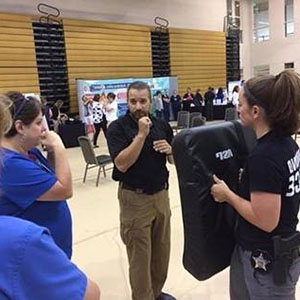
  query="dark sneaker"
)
[{"x": 165, "y": 296}]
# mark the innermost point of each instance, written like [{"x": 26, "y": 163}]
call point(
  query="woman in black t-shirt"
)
[
  {"x": 187, "y": 99},
  {"x": 176, "y": 104},
  {"x": 268, "y": 201}
]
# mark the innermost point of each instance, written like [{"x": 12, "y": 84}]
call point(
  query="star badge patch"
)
[{"x": 261, "y": 260}]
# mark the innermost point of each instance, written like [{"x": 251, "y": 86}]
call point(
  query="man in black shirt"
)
[
  {"x": 209, "y": 97},
  {"x": 140, "y": 145}
]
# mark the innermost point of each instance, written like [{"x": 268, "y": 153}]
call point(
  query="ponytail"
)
[{"x": 279, "y": 96}]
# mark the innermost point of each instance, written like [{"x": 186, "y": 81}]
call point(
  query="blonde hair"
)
[{"x": 5, "y": 116}]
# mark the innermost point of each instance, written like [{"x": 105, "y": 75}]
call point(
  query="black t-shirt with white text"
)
[{"x": 273, "y": 167}]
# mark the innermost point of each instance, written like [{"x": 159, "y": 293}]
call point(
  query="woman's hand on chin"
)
[{"x": 52, "y": 140}]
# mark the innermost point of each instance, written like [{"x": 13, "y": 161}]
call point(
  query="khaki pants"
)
[{"x": 145, "y": 230}]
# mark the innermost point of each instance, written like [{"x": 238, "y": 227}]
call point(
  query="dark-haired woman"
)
[
  {"x": 220, "y": 95},
  {"x": 176, "y": 104},
  {"x": 99, "y": 118},
  {"x": 187, "y": 99},
  {"x": 166, "y": 106},
  {"x": 32, "y": 265},
  {"x": 235, "y": 96},
  {"x": 268, "y": 201},
  {"x": 33, "y": 187},
  {"x": 111, "y": 108}
]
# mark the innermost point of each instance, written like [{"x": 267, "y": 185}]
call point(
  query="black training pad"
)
[{"x": 208, "y": 225}]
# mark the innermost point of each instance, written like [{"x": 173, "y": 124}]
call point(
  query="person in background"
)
[
  {"x": 99, "y": 118},
  {"x": 56, "y": 109},
  {"x": 32, "y": 265},
  {"x": 88, "y": 116},
  {"x": 56, "y": 114},
  {"x": 87, "y": 109},
  {"x": 140, "y": 146},
  {"x": 33, "y": 187},
  {"x": 111, "y": 108},
  {"x": 103, "y": 98},
  {"x": 209, "y": 97},
  {"x": 159, "y": 108},
  {"x": 166, "y": 105},
  {"x": 47, "y": 111},
  {"x": 198, "y": 99},
  {"x": 220, "y": 95},
  {"x": 187, "y": 99},
  {"x": 176, "y": 103},
  {"x": 266, "y": 260},
  {"x": 235, "y": 96}
]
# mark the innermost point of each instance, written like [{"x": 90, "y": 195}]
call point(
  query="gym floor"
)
[{"x": 99, "y": 251}]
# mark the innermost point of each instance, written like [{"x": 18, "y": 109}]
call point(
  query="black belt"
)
[{"x": 146, "y": 190}]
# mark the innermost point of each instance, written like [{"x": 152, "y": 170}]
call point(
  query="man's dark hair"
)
[{"x": 139, "y": 85}]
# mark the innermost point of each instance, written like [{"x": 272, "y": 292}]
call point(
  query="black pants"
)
[
  {"x": 98, "y": 127},
  {"x": 176, "y": 109},
  {"x": 246, "y": 284},
  {"x": 209, "y": 111},
  {"x": 186, "y": 105},
  {"x": 166, "y": 112}
]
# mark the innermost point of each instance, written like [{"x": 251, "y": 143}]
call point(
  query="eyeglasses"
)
[{"x": 21, "y": 106}]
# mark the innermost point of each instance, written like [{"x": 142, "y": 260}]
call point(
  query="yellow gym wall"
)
[
  {"x": 198, "y": 58},
  {"x": 18, "y": 67},
  {"x": 105, "y": 50},
  {"x": 102, "y": 50}
]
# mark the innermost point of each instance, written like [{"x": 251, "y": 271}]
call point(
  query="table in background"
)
[
  {"x": 218, "y": 111},
  {"x": 70, "y": 132}
]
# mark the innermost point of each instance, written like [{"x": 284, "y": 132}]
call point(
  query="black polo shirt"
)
[{"x": 149, "y": 171}]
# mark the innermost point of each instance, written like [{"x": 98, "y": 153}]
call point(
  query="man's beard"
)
[{"x": 138, "y": 114}]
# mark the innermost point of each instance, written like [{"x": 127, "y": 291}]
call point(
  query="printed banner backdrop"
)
[{"x": 89, "y": 88}]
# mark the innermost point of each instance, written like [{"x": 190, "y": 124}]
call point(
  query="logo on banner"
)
[
  {"x": 86, "y": 89},
  {"x": 223, "y": 155}
]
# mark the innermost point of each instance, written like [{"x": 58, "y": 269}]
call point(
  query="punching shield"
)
[{"x": 199, "y": 153}]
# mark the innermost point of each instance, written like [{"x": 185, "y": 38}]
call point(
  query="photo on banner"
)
[{"x": 89, "y": 88}]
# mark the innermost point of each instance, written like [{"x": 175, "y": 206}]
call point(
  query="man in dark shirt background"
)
[
  {"x": 209, "y": 97},
  {"x": 176, "y": 104},
  {"x": 140, "y": 145}
]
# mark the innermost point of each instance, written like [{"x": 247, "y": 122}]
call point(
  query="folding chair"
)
[
  {"x": 183, "y": 120},
  {"x": 198, "y": 121},
  {"x": 231, "y": 114},
  {"x": 194, "y": 115},
  {"x": 91, "y": 159}
]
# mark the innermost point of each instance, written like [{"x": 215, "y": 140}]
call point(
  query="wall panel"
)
[
  {"x": 18, "y": 68},
  {"x": 105, "y": 50},
  {"x": 98, "y": 50},
  {"x": 198, "y": 58}
]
